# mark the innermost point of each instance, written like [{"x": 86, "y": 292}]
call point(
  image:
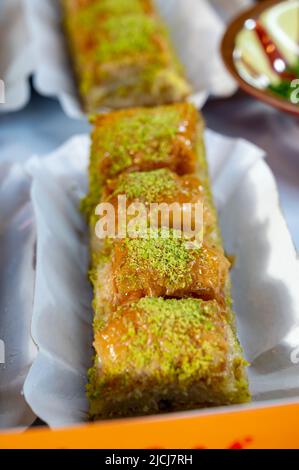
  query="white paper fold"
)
[
  {"x": 16, "y": 64},
  {"x": 60, "y": 368},
  {"x": 265, "y": 276},
  {"x": 17, "y": 250}
]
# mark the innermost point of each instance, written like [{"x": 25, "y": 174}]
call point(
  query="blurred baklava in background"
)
[{"x": 121, "y": 54}]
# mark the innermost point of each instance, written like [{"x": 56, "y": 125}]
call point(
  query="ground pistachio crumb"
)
[{"x": 148, "y": 185}]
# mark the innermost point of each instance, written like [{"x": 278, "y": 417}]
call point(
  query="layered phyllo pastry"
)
[
  {"x": 173, "y": 201},
  {"x": 156, "y": 355},
  {"x": 143, "y": 139},
  {"x": 164, "y": 329},
  {"x": 159, "y": 263},
  {"x": 185, "y": 196},
  {"x": 122, "y": 54}
]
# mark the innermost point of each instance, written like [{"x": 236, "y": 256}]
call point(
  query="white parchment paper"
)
[
  {"x": 265, "y": 277},
  {"x": 17, "y": 260},
  {"x": 16, "y": 58},
  {"x": 35, "y": 45}
]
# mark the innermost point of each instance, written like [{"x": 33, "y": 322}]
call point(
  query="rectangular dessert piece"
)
[
  {"x": 162, "y": 264},
  {"x": 163, "y": 186},
  {"x": 122, "y": 54},
  {"x": 158, "y": 355},
  {"x": 170, "y": 200},
  {"x": 143, "y": 139}
]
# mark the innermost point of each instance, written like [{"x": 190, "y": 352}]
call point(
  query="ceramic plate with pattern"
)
[{"x": 261, "y": 50}]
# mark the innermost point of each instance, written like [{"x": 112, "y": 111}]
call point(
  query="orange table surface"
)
[{"x": 258, "y": 427}]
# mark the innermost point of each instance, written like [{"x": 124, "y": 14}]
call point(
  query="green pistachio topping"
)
[
  {"x": 144, "y": 134},
  {"x": 89, "y": 15},
  {"x": 165, "y": 253},
  {"x": 171, "y": 335},
  {"x": 186, "y": 311},
  {"x": 151, "y": 186},
  {"x": 129, "y": 35},
  {"x": 169, "y": 328},
  {"x": 170, "y": 342}
]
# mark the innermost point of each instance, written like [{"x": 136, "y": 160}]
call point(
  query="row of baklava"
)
[
  {"x": 164, "y": 333},
  {"x": 164, "y": 330}
]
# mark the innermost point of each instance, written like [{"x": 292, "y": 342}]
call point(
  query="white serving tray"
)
[{"x": 265, "y": 276}]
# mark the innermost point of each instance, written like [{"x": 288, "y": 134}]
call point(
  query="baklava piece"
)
[
  {"x": 162, "y": 264},
  {"x": 158, "y": 355},
  {"x": 185, "y": 197},
  {"x": 122, "y": 54},
  {"x": 143, "y": 139}
]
